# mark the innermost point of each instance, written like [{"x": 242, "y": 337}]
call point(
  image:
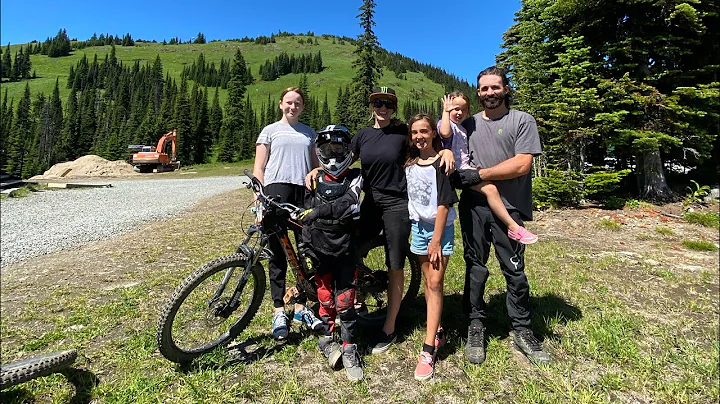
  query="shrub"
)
[
  {"x": 699, "y": 245},
  {"x": 558, "y": 188},
  {"x": 707, "y": 219},
  {"x": 602, "y": 183},
  {"x": 696, "y": 195},
  {"x": 614, "y": 203}
]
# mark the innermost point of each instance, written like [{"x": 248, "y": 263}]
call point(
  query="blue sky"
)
[{"x": 461, "y": 36}]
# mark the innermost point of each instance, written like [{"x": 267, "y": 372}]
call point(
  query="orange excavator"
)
[{"x": 160, "y": 158}]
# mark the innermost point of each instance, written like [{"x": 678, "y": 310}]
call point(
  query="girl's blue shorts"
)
[{"x": 422, "y": 233}]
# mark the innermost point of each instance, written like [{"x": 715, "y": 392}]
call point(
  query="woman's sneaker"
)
[
  {"x": 352, "y": 363},
  {"x": 279, "y": 325},
  {"x": 331, "y": 349},
  {"x": 522, "y": 235},
  {"x": 425, "y": 367},
  {"x": 381, "y": 342},
  {"x": 307, "y": 317}
]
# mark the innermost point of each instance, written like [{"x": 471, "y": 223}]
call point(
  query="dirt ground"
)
[
  {"x": 107, "y": 264},
  {"x": 648, "y": 237}
]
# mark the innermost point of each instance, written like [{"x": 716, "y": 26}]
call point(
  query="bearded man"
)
[{"x": 502, "y": 143}]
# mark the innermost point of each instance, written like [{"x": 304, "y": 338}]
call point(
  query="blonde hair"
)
[{"x": 460, "y": 94}]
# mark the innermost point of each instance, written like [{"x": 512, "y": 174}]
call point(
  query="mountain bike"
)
[{"x": 217, "y": 301}]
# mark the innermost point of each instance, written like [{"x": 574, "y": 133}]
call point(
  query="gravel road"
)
[{"x": 50, "y": 221}]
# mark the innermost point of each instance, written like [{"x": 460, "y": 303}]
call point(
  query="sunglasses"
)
[{"x": 383, "y": 103}]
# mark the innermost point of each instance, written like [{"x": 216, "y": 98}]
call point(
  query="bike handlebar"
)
[{"x": 259, "y": 190}]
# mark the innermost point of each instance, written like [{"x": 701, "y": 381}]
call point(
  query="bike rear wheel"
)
[
  {"x": 21, "y": 371},
  {"x": 192, "y": 323},
  {"x": 372, "y": 290}
]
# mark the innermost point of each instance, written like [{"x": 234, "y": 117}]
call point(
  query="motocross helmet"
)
[{"x": 333, "y": 149}]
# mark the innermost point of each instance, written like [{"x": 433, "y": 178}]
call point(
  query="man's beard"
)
[{"x": 492, "y": 101}]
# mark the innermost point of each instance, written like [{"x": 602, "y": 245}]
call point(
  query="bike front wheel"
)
[{"x": 200, "y": 315}]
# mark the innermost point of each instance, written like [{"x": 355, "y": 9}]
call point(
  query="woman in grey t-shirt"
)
[{"x": 284, "y": 154}]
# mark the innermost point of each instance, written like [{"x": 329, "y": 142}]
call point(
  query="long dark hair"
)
[{"x": 413, "y": 153}]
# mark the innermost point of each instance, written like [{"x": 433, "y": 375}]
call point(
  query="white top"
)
[
  {"x": 290, "y": 147},
  {"x": 428, "y": 187},
  {"x": 458, "y": 145}
]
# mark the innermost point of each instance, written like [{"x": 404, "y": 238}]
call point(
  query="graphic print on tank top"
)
[{"x": 420, "y": 189}]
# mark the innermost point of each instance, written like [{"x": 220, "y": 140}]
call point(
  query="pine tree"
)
[
  {"x": 6, "y": 65},
  {"x": 183, "y": 123},
  {"x": 231, "y": 140},
  {"x": 325, "y": 118},
  {"x": 6, "y": 124},
  {"x": 216, "y": 117},
  {"x": 60, "y": 45},
  {"x": 21, "y": 135},
  {"x": 367, "y": 70}
]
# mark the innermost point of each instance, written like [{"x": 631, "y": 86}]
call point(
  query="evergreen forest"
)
[{"x": 625, "y": 93}]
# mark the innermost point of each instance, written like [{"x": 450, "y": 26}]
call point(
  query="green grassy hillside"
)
[{"x": 337, "y": 61}]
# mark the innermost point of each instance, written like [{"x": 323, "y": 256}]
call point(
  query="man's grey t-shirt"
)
[
  {"x": 290, "y": 147},
  {"x": 490, "y": 142}
]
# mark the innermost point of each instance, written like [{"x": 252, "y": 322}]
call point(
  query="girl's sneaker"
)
[
  {"x": 425, "y": 367},
  {"x": 522, "y": 235}
]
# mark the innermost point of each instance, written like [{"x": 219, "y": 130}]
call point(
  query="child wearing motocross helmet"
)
[{"x": 329, "y": 232}]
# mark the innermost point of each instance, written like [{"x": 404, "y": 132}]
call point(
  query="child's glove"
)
[{"x": 307, "y": 215}]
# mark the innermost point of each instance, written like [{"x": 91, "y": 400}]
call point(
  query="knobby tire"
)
[
  {"x": 201, "y": 316},
  {"x": 21, "y": 371}
]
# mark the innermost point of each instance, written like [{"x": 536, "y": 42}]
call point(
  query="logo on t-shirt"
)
[{"x": 500, "y": 131}]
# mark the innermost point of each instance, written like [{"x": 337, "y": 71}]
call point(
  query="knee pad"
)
[{"x": 346, "y": 300}]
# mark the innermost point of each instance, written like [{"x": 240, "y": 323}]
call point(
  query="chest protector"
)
[{"x": 331, "y": 236}]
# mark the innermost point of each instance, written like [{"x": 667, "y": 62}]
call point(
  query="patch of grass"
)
[
  {"x": 612, "y": 338},
  {"x": 700, "y": 245},
  {"x": 664, "y": 231},
  {"x": 707, "y": 219},
  {"x": 27, "y": 190},
  {"x": 609, "y": 224}
]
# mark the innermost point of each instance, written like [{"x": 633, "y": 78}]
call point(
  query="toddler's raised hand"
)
[{"x": 447, "y": 103}]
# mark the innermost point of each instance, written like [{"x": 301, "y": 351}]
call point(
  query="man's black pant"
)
[{"x": 479, "y": 229}]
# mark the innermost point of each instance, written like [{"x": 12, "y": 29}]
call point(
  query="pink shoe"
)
[
  {"x": 522, "y": 235},
  {"x": 425, "y": 367}
]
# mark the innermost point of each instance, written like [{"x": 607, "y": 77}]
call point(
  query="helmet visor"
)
[{"x": 333, "y": 150}]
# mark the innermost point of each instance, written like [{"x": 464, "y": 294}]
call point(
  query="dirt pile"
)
[{"x": 86, "y": 167}]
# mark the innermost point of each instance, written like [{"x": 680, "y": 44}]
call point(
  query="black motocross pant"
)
[{"x": 479, "y": 228}]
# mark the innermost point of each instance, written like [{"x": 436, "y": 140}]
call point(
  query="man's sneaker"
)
[
  {"x": 522, "y": 235},
  {"x": 331, "y": 349},
  {"x": 425, "y": 367},
  {"x": 475, "y": 346},
  {"x": 351, "y": 362},
  {"x": 526, "y": 342},
  {"x": 440, "y": 338},
  {"x": 279, "y": 325},
  {"x": 381, "y": 342},
  {"x": 307, "y": 317}
]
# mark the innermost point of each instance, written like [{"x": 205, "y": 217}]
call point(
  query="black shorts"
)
[{"x": 387, "y": 212}]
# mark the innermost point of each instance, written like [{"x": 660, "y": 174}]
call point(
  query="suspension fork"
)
[{"x": 251, "y": 258}]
